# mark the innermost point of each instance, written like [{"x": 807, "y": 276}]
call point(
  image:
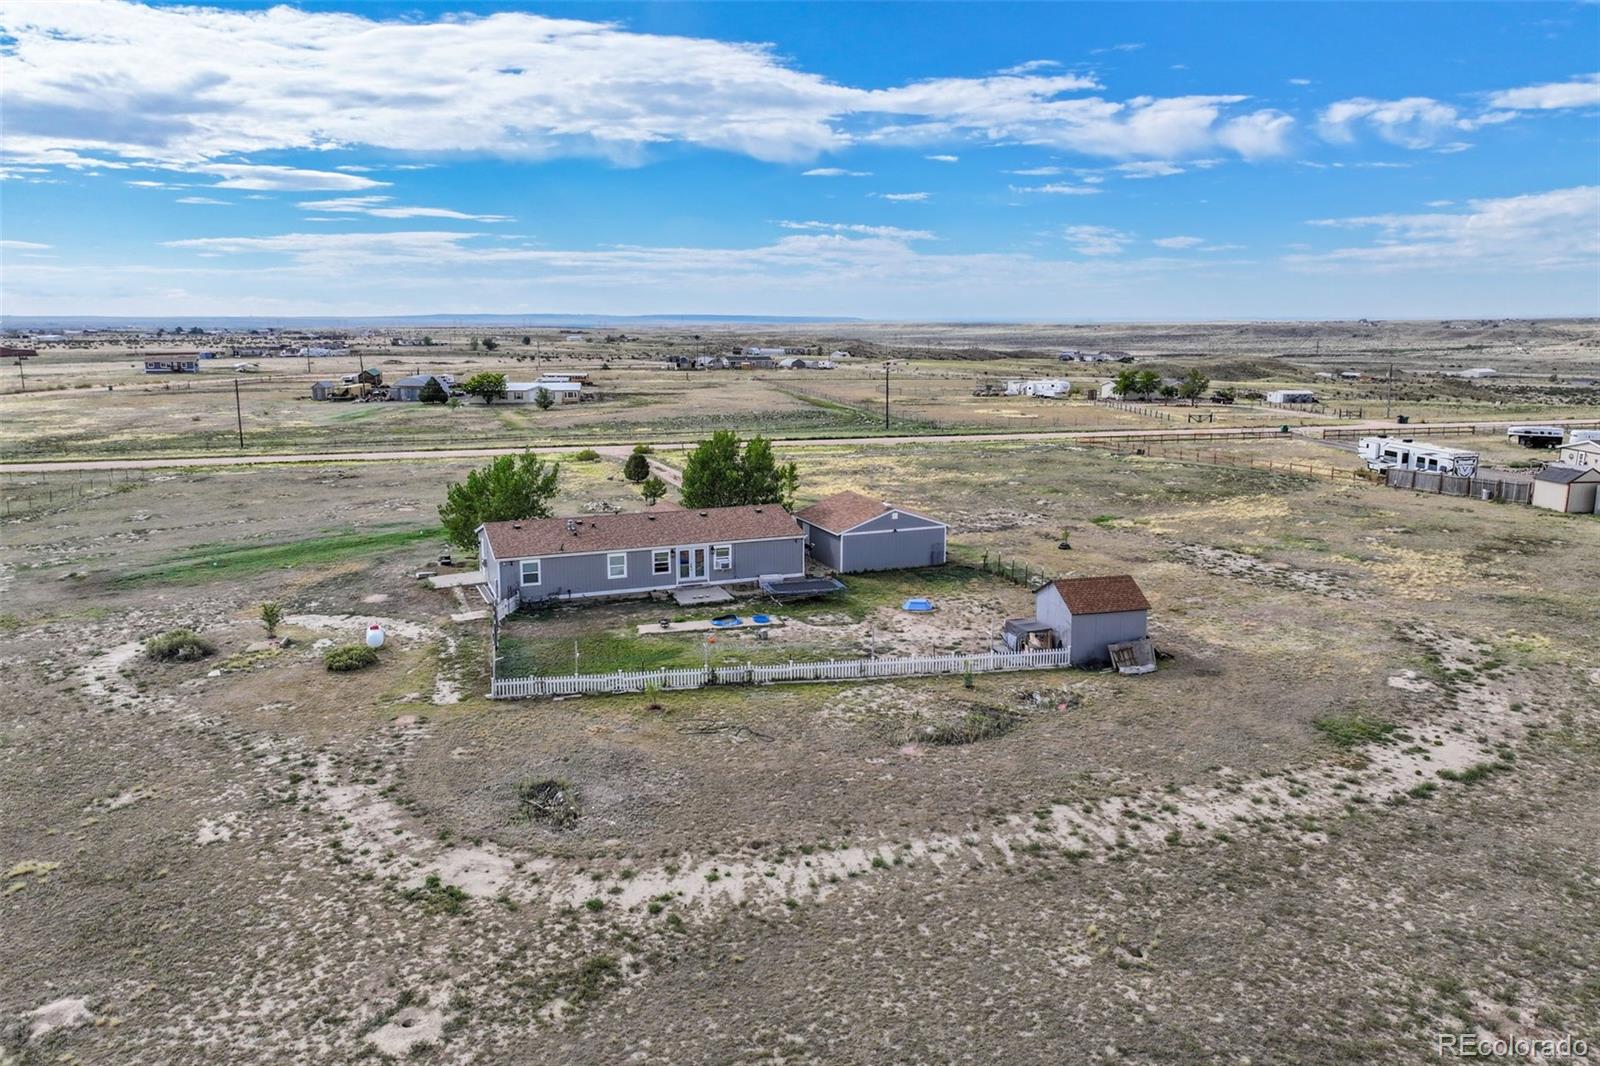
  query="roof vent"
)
[{"x": 702, "y": 514}]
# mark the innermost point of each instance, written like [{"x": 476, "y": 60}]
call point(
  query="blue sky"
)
[{"x": 939, "y": 161}]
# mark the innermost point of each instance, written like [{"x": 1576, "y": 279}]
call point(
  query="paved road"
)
[{"x": 620, "y": 451}]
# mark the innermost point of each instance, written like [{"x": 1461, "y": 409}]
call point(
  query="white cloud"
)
[
  {"x": 1179, "y": 242},
  {"x": 1414, "y": 122},
  {"x": 892, "y": 232},
  {"x": 203, "y": 200},
  {"x": 1299, "y": 81},
  {"x": 381, "y": 207},
  {"x": 1540, "y": 231},
  {"x": 1096, "y": 240},
  {"x": 184, "y": 86},
  {"x": 1037, "y": 172},
  {"x": 1131, "y": 47},
  {"x": 23, "y": 246},
  {"x": 1258, "y": 135},
  {"x": 905, "y": 197},
  {"x": 944, "y": 158},
  {"x": 1030, "y": 66},
  {"x": 835, "y": 172},
  {"x": 1579, "y": 92},
  {"x": 1149, "y": 168},
  {"x": 1057, "y": 188},
  {"x": 284, "y": 179}
]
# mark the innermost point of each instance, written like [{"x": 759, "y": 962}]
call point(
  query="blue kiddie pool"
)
[
  {"x": 919, "y": 604},
  {"x": 727, "y": 621},
  {"x": 760, "y": 619}
]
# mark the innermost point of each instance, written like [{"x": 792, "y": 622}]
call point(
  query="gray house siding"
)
[
  {"x": 824, "y": 546},
  {"x": 565, "y": 575},
  {"x": 898, "y": 550},
  {"x": 1087, "y": 635}
]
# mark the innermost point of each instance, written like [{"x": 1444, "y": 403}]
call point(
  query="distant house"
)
[
  {"x": 1044, "y": 388},
  {"x": 1581, "y": 454},
  {"x": 409, "y": 390},
  {"x": 852, "y": 533},
  {"x": 528, "y": 391},
  {"x": 1291, "y": 396},
  {"x": 753, "y": 351},
  {"x": 653, "y": 551},
  {"x": 1567, "y": 488},
  {"x": 1088, "y": 613},
  {"x": 172, "y": 365}
]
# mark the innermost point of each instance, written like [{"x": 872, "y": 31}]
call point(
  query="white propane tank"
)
[{"x": 375, "y": 635}]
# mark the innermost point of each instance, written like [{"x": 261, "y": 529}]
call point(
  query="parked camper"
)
[
  {"x": 1045, "y": 388},
  {"x": 1403, "y": 453},
  {"x": 1578, "y": 436},
  {"x": 1535, "y": 436}
]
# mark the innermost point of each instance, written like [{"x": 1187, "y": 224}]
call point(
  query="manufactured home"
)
[
  {"x": 1044, "y": 388},
  {"x": 1291, "y": 396},
  {"x": 1088, "y": 614},
  {"x": 541, "y": 559},
  {"x": 410, "y": 389},
  {"x": 528, "y": 391},
  {"x": 1571, "y": 489},
  {"x": 1403, "y": 453},
  {"x": 1536, "y": 436},
  {"x": 170, "y": 365},
  {"x": 1583, "y": 453},
  {"x": 852, "y": 533}
]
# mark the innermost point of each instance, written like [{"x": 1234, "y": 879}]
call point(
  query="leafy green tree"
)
[
  {"x": 433, "y": 392},
  {"x": 542, "y": 399},
  {"x": 526, "y": 340},
  {"x": 490, "y": 344},
  {"x": 271, "y": 615},
  {"x": 1169, "y": 392},
  {"x": 637, "y": 468},
  {"x": 1126, "y": 381},
  {"x": 721, "y": 474},
  {"x": 653, "y": 489},
  {"x": 509, "y": 488},
  {"x": 1194, "y": 385},
  {"x": 489, "y": 386},
  {"x": 1147, "y": 383}
]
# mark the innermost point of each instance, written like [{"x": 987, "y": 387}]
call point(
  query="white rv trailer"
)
[
  {"x": 1578, "y": 436},
  {"x": 1291, "y": 396},
  {"x": 1052, "y": 388},
  {"x": 1535, "y": 436},
  {"x": 1403, "y": 453}
]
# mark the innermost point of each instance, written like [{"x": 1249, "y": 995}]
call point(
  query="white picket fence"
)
[{"x": 834, "y": 670}]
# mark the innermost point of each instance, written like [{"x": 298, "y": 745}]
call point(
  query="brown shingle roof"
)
[
  {"x": 842, "y": 511},
  {"x": 646, "y": 529},
  {"x": 1100, "y": 595}
]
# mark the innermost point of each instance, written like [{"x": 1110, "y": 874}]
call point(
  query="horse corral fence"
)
[{"x": 833, "y": 670}]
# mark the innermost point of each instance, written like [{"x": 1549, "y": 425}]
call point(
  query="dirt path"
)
[{"x": 618, "y": 451}]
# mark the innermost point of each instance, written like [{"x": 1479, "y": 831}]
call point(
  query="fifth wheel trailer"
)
[{"x": 1403, "y": 453}]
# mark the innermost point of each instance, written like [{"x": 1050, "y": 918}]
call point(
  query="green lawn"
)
[{"x": 212, "y": 562}]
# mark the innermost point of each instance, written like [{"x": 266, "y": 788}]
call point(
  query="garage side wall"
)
[
  {"x": 898, "y": 549},
  {"x": 1092, "y": 632}
]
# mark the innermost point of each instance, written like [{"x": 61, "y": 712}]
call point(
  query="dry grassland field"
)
[{"x": 1352, "y": 810}]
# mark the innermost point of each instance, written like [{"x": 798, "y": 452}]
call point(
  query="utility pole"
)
[
  {"x": 21, "y": 373},
  {"x": 238, "y": 412},
  {"x": 1388, "y": 398},
  {"x": 886, "y": 395}
]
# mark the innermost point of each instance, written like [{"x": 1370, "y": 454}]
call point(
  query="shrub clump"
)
[
  {"x": 1354, "y": 730},
  {"x": 178, "y": 645},
  {"x": 348, "y": 657},
  {"x": 587, "y": 455}
]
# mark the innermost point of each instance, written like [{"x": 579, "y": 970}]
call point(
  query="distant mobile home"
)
[
  {"x": 1044, "y": 388},
  {"x": 1087, "y": 614},
  {"x": 170, "y": 365},
  {"x": 852, "y": 534},
  {"x": 1291, "y": 396}
]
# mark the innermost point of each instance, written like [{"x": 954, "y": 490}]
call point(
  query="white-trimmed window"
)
[
  {"x": 722, "y": 557},
  {"x": 661, "y": 561},
  {"x": 530, "y": 571},
  {"x": 617, "y": 565}
]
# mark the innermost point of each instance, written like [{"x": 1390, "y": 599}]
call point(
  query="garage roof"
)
[
  {"x": 844, "y": 511},
  {"x": 1100, "y": 595}
]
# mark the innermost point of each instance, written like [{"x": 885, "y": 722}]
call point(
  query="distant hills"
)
[{"x": 243, "y": 322}]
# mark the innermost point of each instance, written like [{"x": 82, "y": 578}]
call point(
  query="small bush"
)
[
  {"x": 1353, "y": 730},
  {"x": 178, "y": 645},
  {"x": 348, "y": 657},
  {"x": 587, "y": 455}
]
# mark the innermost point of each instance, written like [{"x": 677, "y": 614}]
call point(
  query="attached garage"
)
[{"x": 851, "y": 533}]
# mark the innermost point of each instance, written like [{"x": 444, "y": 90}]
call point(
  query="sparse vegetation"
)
[
  {"x": 178, "y": 645},
  {"x": 347, "y": 658}
]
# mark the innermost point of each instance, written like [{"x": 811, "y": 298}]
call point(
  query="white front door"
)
[{"x": 691, "y": 564}]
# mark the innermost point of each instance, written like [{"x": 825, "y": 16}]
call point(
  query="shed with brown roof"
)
[
  {"x": 648, "y": 551},
  {"x": 852, "y": 533},
  {"x": 1089, "y": 613}
]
